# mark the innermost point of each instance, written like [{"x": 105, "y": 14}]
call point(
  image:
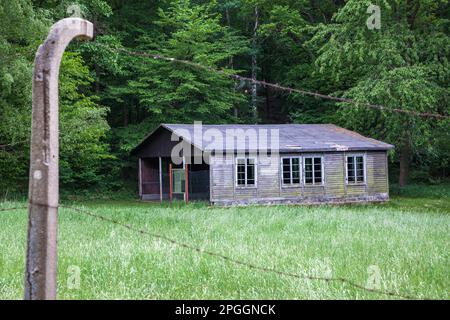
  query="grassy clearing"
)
[{"x": 407, "y": 239}]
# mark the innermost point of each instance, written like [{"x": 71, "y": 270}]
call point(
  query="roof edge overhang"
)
[
  {"x": 291, "y": 151},
  {"x": 161, "y": 126},
  {"x": 384, "y": 147}
]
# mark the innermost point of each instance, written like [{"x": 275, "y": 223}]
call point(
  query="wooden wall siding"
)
[
  {"x": 222, "y": 178},
  {"x": 356, "y": 190},
  {"x": 334, "y": 167},
  {"x": 314, "y": 191},
  {"x": 291, "y": 192},
  {"x": 270, "y": 189},
  {"x": 268, "y": 177},
  {"x": 377, "y": 175},
  {"x": 245, "y": 193}
]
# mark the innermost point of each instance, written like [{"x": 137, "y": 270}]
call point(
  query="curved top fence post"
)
[{"x": 41, "y": 257}]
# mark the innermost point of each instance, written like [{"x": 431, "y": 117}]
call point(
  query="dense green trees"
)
[
  {"x": 83, "y": 124},
  {"x": 110, "y": 100},
  {"x": 402, "y": 65}
]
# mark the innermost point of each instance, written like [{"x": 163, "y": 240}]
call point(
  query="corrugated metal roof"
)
[{"x": 291, "y": 137}]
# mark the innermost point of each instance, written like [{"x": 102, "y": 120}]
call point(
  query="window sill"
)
[
  {"x": 313, "y": 185},
  {"x": 246, "y": 187},
  {"x": 291, "y": 186}
]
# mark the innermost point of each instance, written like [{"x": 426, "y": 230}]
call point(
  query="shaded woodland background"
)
[{"x": 111, "y": 100}]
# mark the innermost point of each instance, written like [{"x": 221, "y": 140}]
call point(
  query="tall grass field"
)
[{"x": 401, "y": 246}]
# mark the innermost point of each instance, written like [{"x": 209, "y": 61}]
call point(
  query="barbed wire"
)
[
  {"x": 2, "y": 146},
  {"x": 235, "y": 261},
  {"x": 14, "y": 208},
  {"x": 276, "y": 86},
  {"x": 227, "y": 258}
]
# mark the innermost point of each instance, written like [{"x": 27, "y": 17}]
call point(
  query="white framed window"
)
[
  {"x": 246, "y": 172},
  {"x": 356, "y": 169},
  {"x": 313, "y": 170},
  {"x": 291, "y": 171}
]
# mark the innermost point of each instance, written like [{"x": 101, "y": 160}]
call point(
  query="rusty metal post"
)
[{"x": 41, "y": 269}]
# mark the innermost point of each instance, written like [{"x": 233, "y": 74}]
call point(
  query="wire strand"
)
[
  {"x": 13, "y": 209},
  {"x": 226, "y": 258},
  {"x": 277, "y": 86},
  {"x": 13, "y": 144},
  {"x": 238, "y": 262}
]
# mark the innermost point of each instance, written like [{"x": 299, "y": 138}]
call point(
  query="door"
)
[{"x": 179, "y": 182}]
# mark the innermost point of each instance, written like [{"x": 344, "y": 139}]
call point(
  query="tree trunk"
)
[
  {"x": 255, "y": 67},
  {"x": 231, "y": 60},
  {"x": 405, "y": 153},
  {"x": 126, "y": 115},
  {"x": 96, "y": 67}
]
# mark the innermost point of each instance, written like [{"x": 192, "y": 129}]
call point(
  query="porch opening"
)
[{"x": 160, "y": 179}]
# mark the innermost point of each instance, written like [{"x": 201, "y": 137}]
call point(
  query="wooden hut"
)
[{"x": 295, "y": 163}]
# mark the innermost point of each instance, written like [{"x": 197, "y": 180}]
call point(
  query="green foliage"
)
[
  {"x": 179, "y": 93},
  {"x": 20, "y": 30},
  {"x": 110, "y": 100},
  {"x": 404, "y": 65},
  {"x": 83, "y": 128},
  {"x": 82, "y": 120}
]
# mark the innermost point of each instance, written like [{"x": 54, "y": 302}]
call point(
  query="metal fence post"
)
[{"x": 41, "y": 269}]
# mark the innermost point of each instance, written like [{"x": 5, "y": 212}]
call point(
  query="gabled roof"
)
[{"x": 291, "y": 137}]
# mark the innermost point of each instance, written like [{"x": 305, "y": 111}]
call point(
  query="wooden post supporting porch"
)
[{"x": 160, "y": 181}]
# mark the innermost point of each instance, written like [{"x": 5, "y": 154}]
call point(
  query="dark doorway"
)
[{"x": 155, "y": 180}]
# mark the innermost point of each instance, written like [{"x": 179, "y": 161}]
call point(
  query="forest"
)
[{"x": 111, "y": 98}]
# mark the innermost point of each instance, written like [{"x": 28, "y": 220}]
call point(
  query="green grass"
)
[{"x": 407, "y": 239}]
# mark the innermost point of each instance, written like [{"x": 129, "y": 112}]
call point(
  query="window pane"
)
[
  {"x": 286, "y": 170},
  {"x": 308, "y": 164},
  {"x": 286, "y": 178},
  {"x": 360, "y": 166},
  {"x": 251, "y": 161},
  {"x": 318, "y": 176},
  {"x": 241, "y": 178},
  {"x": 351, "y": 170},
  {"x": 295, "y": 162},
  {"x": 318, "y": 161},
  {"x": 250, "y": 182},
  {"x": 241, "y": 172},
  {"x": 251, "y": 172},
  {"x": 360, "y": 172},
  {"x": 308, "y": 177}
]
